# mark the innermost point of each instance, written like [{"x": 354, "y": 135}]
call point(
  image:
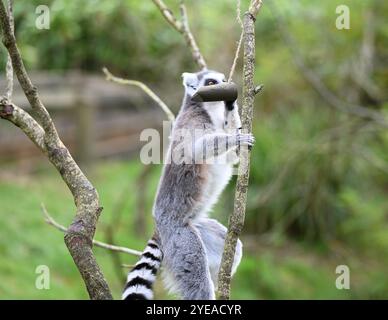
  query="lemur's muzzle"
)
[{"x": 218, "y": 92}]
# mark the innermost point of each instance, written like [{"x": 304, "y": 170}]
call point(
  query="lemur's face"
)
[
  {"x": 193, "y": 81},
  {"x": 229, "y": 113}
]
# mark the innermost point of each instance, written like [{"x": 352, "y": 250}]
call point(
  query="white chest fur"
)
[
  {"x": 218, "y": 177},
  {"x": 220, "y": 170},
  {"x": 216, "y": 111}
]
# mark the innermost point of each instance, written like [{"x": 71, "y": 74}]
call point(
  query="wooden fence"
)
[{"x": 95, "y": 118}]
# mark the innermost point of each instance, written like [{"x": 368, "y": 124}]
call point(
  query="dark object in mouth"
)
[{"x": 218, "y": 92}]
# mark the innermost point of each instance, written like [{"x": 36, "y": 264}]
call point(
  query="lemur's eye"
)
[{"x": 210, "y": 82}]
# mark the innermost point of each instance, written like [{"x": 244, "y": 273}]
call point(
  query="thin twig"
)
[
  {"x": 50, "y": 220},
  {"x": 29, "y": 89},
  {"x": 9, "y": 68},
  {"x": 238, "y": 14},
  {"x": 236, "y": 55},
  {"x": 144, "y": 87},
  {"x": 183, "y": 28},
  {"x": 236, "y": 219},
  {"x": 238, "y": 49},
  {"x": 255, "y": 7},
  {"x": 168, "y": 15},
  {"x": 258, "y": 88},
  {"x": 190, "y": 38}
]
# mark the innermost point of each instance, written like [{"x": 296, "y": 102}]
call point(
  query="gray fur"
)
[
  {"x": 191, "y": 243},
  {"x": 213, "y": 236}
]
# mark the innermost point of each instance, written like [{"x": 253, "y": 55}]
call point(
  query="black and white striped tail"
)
[{"x": 142, "y": 276}]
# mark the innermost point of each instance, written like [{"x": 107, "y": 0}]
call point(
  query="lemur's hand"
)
[{"x": 245, "y": 139}]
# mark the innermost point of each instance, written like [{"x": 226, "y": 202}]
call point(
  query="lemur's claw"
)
[{"x": 246, "y": 139}]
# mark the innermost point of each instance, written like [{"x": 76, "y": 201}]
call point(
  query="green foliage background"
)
[{"x": 319, "y": 177}]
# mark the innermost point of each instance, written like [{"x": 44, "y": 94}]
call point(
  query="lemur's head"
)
[{"x": 193, "y": 81}]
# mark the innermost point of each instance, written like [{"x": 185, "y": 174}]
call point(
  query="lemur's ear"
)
[{"x": 190, "y": 82}]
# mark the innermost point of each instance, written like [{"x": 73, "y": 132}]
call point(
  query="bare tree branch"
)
[
  {"x": 168, "y": 15},
  {"x": 183, "y": 28},
  {"x": 79, "y": 235},
  {"x": 197, "y": 56},
  {"x": 9, "y": 68},
  {"x": 50, "y": 220},
  {"x": 145, "y": 88},
  {"x": 236, "y": 220},
  {"x": 24, "y": 121},
  {"x": 29, "y": 89}
]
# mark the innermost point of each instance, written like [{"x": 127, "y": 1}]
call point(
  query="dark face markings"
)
[
  {"x": 229, "y": 105},
  {"x": 210, "y": 82}
]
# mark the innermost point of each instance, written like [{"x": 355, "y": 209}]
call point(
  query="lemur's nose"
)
[{"x": 229, "y": 105}]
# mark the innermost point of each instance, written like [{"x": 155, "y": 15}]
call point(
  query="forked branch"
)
[
  {"x": 43, "y": 133},
  {"x": 183, "y": 28},
  {"x": 50, "y": 220}
]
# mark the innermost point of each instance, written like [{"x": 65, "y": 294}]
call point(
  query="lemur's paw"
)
[{"x": 245, "y": 139}]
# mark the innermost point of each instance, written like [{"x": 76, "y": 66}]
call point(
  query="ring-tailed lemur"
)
[{"x": 188, "y": 242}]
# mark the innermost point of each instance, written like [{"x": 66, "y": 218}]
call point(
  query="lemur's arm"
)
[
  {"x": 208, "y": 146},
  {"x": 214, "y": 145}
]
